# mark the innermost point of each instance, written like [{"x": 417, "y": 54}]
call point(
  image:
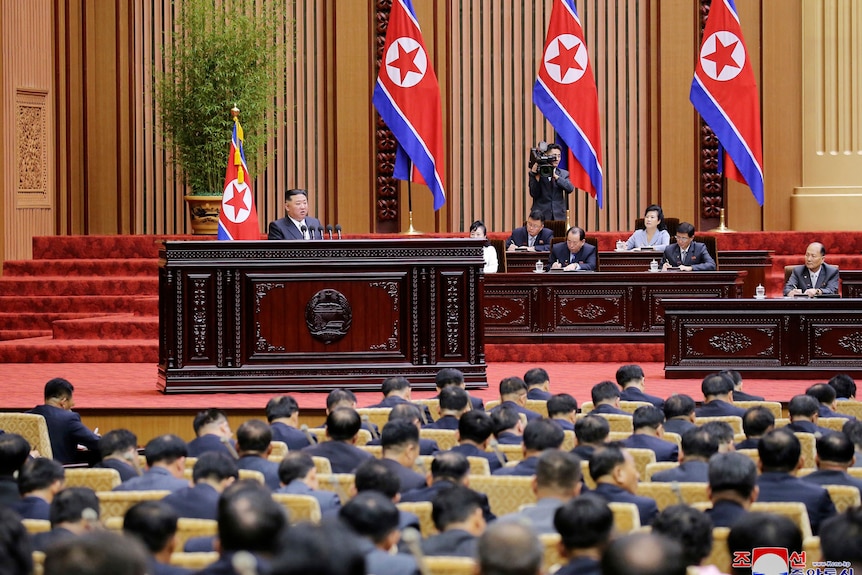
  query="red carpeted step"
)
[
  {"x": 145, "y": 306},
  {"x": 83, "y": 247},
  {"x": 74, "y": 304},
  {"x": 63, "y": 286},
  {"x": 47, "y": 350},
  {"x": 10, "y": 334},
  {"x": 38, "y": 321},
  {"x": 82, "y": 267},
  {"x": 595, "y": 352},
  {"x": 125, "y": 326}
]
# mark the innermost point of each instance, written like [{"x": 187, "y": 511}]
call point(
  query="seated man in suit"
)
[
  {"x": 732, "y": 487},
  {"x": 717, "y": 389},
  {"x": 841, "y": 540},
  {"x": 689, "y": 527},
  {"x": 826, "y": 398},
  {"x": 212, "y": 433},
  {"x": 166, "y": 462},
  {"x": 282, "y": 412},
  {"x": 696, "y": 449},
  {"x": 64, "y": 426},
  {"x": 647, "y": 423},
  {"x": 342, "y": 425},
  {"x": 585, "y": 525},
  {"x": 606, "y": 399},
  {"x": 508, "y": 425},
  {"x": 563, "y": 408},
  {"x": 212, "y": 474},
  {"x": 396, "y": 390},
  {"x": 755, "y": 423},
  {"x": 254, "y": 442},
  {"x": 835, "y": 454},
  {"x": 39, "y": 481},
  {"x": 346, "y": 398},
  {"x": 474, "y": 432},
  {"x": 722, "y": 432},
  {"x": 779, "y": 452},
  {"x": 591, "y": 432},
  {"x": 451, "y": 376},
  {"x": 154, "y": 523},
  {"x": 509, "y": 549},
  {"x": 815, "y": 277},
  {"x": 575, "y": 255},
  {"x": 533, "y": 236},
  {"x": 375, "y": 519},
  {"x": 844, "y": 386},
  {"x": 616, "y": 475},
  {"x": 539, "y": 435},
  {"x": 373, "y": 475},
  {"x": 513, "y": 394},
  {"x": 804, "y": 416},
  {"x": 679, "y": 413},
  {"x": 738, "y": 394},
  {"x": 410, "y": 412},
  {"x": 538, "y": 384},
  {"x": 448, "y": 469},
  {"x": 687, "y": 255},
  {"x": 14, "y": 452},
  {"x": 458, "y": 517},
  {"x": 852, "y": 428},
  {"x": 119, "y": 451},
  {"x": 290, "y": 226},
  {"x": 298, "y": 476},
  {"x": 400, "y": 441},
  {"x": 74, "y": 512},
  {"x": 454, "y": 402},
  {"x": 630, "y": 378}
]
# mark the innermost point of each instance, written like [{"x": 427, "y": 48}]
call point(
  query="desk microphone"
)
[
  {"x": 229, "y": 446},
  {"x": 312, "y": 439},
  {"x": 493, "y": 444},
  {"x": 412, "y": 537},
  {"x": 304, "y": 231},
  {"x": 338, "y": 230},
  {"x": 320, "y": 231},
  {"x": 367, "y": 420},
  {"x": 329, "y": 230}
]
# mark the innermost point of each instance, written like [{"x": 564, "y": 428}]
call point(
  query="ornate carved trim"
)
[
  {"x": 386, "y": 206},
  {"x": 711, "y": 182},
  {"x": 31, "y": 149}
]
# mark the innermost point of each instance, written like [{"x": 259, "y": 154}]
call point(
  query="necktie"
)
[
  {"x": 531, "y": 241},
  {"x": 682, "y": 256}
]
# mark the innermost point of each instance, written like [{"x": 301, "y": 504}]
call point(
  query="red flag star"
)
[
  {"x": 722, "y": 56},
  {"x": 405, "y": 62},
  {"x": 237, "y": 201},
  {"x": 566, "y": 58}
]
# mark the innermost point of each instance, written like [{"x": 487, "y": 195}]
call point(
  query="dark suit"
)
[
  {"x": 509, "y": 438},
  {"x": 524, "y": 468},
  {"x": 647, "y": 507},
  {"x": 265, "y": 466},
  {"x": 430, "y": 492},
  {"x": 426, "y": 446},
  {"x": 445, "y": 422},
  {"x": 608, "y": 409},
  {"x": 584, "y": 257},
  {"x": 551, "y": 196},
  {"x": 207, "y": 442},
  {"x": 718, "y": 408},
  {"x": 678, "y": 426},
  {"x": 452, "y": 543},
  {"x": 66, "y": 432},
  {"x": 380, "y": 562},
  {"x": 581, "y": 566},
  {"x": 802, "y": 426},
  {"x": 520, "y": 237},
  {"x": 198, "y": 502},
  {"x": 409, "y": 479},
  {"x": 725, "y": 513},
  {"x": 344, "y": 457},
  {"x": 284, "y": 229},
  {"x": 697, "y": 257},
  {"x": 585, "y": 452},
  {"x": 742, "y": 396},
  {"x": 539, "y": 394},
  {"x": 529, "y": 414},
  {"x": 8, "y": 491},
  {"x": 154, "y": 479},
  {"x": 748, "y": 443},
  {"x": 824, "y": 411},
  {"x": 476, "y": 402},
  {"x": 292, "y": 437},
  {"x": 565, "y": 424},
  {"x": 633, "y": 393},
  {"x": 469, "y": 450},
  {"x": 32, "y": 507},
  {"x": 327, "y": 500},
  {"x": 224, "y": 566},
  {"x": 827, "y": 281},
  {"x": 777, "y": 486},
  {"x": 42, "y": 541},
  {"x": 394, "y": 400},
  {"x": 664, "y": 450},
  {"x": 125, "y": 470},
  {"x": 833, "y": 477},
  {"x": 697, "y": 471}
]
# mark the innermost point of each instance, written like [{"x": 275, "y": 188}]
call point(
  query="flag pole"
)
[
  {"x": 721, "y": 227},
  {"x": 411, "y": 231}
]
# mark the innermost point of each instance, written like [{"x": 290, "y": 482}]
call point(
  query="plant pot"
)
[{"x": 204, "y": 211}]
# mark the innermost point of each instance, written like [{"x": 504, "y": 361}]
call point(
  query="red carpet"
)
[{"x": 133, "y": 386}]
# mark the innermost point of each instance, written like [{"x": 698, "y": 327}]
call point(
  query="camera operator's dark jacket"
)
[{"x": 551, "y": 196}]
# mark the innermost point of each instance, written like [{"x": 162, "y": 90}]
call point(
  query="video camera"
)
[{"x": 540, "y": 157}]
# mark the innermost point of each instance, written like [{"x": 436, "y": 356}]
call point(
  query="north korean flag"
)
[
  {"x": 407, "y": 97},
  {"x": 566, "y": 94},
  {"x": 724, "y": 93},
  {"x": 238, "y": 217}
]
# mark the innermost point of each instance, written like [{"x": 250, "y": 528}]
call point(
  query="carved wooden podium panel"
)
[{"x": 318, "y": 315}]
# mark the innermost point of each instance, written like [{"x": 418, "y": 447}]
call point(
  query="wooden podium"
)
[{"x": 318, "y": 315}]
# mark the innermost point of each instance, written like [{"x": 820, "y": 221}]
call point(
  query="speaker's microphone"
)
[
  {"x": 312, "y": 439},
  {"x": 304, "y": 231},
  {"x": 320, "y": 231},
  {"x": 329, "y": 230},
  {"x": 411, "y": 537},
  {"x": 229, "y": 446},
  {"x": 493, "y": 444},
  {"x": 338, "y": 230},
  {"x": 367, "y": 420}
]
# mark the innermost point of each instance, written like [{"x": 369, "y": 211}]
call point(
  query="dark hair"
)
[
  {"x": 453, "y": 398},
  {"x": 14, "y": 451},
  {"x": 542, "y": 434},
  {"x": 510, "y": 385},
  {"x": 536, "y": 376},
  {"x": 342, "y": 424},
  {"x": 841, "y": 537},
  {"x": 755, "y": 529},
  {"x": 509, "y": 548},
  {"x": 371, "y": 514},
  {"x": 822, "y": 392},
  {"x": 16, "y": 553},
  {"x": 311, "y": 550},
  {"x": 605, "y": 459},
  {"x": 644, "y": 554},
  {"x": 254, "y": 435},
  {"x": 339, "y": 396},
  {"x": 504, "y": 417},
  {"x": 720, "y": 430},
  {"x": 558, "y": 470},
  {"x": 479, "y": 224},
  {"x": 294, "y": 192},
  {"x": 39, "y": 473},
  {"x": 295, "y": 465},
  {"x": 678, "y": 405},
  {"x": 117, "y": 441},
  {"x": 685, "y": 228},
  {"x": 628, "y": 373},
  {"x": 58, "y": 388},
  {"x": 96, "y": 553},
  {"x": 647, "y": 416},
  {"x": 732, "y": 471},
  {"x": 165, "y": 449},
  {"x": 448, "y": 376},
  {"x": 779, "y": 450},
  {"x": 537, "y": 215},
  {"x": 396, "y": 383},
  {"x": 835, "y": 447},
  {"x": 399, "y": 433},
  {"x": 734, "y": 376},
  {"x": 690, "y": 527},
  {"x": 153, "y": 522},
  {"x": 576, "y": 230},
  {"x": 281, "y": 406},
  {"x": 803, "y": 405},
  {"x": 207, "y": 417},
  {"x": 584, "y": 522},
  {"x": 70, "y": 504},
  {"x": 475, "y": 426},
  {"x": 844, "y": 386},
  {"x": 214, "y": 465},
  {"x": 604, "y": 391},
  {"x": 592, "y": 429},
  {"x": 248, "y": 518},
  {"x": 406, "y": 412},
  {"x": 716, "y": 384},
  {"x": 373, "y": 475},
  {"x": 757, "y": 420},
  {"x": 454, "y": 505},
  {"x": 659, "y": 212},
  {"x": 697, "y": 442},
  {"x": 852, "y": 428},
  {"x": 561, "y": 404},
  {"x": 450, "y": 465}
]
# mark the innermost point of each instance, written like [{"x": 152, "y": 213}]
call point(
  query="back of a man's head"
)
[
  {"x": 629, "y": 374},
  {"x": 96, "y": 553},
  {"x": 450, "y": 466},
  {"x": 372, "y": 475},
  {"x": 248, "y": 519},
  {"x": 281, "y": 407},
  {"x": 542, "y": 434},
  {"x": 454, "y": 505},
  {"x": 561, "y": 404},
  {"x": 117, "y": 441},
  {"x": 342, "y": 424},
  {"x": 697, "y": 443},
  {"x": 71, "y": 504},
  {"x": 254, "y": 436},
  {"x": 822, "y": 392},
  {"x": 509, "y": 548},
  {"x": 214, "y": 466},
  {"x": 295, "y": 465},
  {"x": 165, "y": 449},
  {"x": 691, "y": 528},
  {"x": 398, "y": 435},
  {"x": 605, "y": 459},
  {"x": 734, "y": 376},
  {"x": 721, "y": 431},
  {"x": 558, "y": 472},
  {"x": 40, "y": 473},
  {"x": 644, "y": 554},
  {"x": 757, "y": 421},
  {"x": 407, "y": 412},
  {"x": 453, "y": 398},
  {"x": 206, "y": 419},
  {"x": 585, "y": 522},
  {"x": 779, "y": 450},
  {"x": 394, "y": 384},
  {"x": 678, "y": 405},
  {"x": 14, "y": 451},
  {"x": 154, "y": 523},
  {"x": 311, "y": 550},
  {"x": 852, "y": 428},
  {"x": 58, "y": 388},
  {"x": 504, "y": 417},
  {"x": 647, "y": 417},
  {"x": 340, "y": 398},
  {"x": 835, "y": 448},
  {"x": 841, "y": 538},
  {"x": 605, "y": 391},
  {"x": 371, "y": 515},
  {"x": 756, "y": 529},
  {"x": 449, "y": 376},
  {"x": 803, "y": 406},
  {"x": 716, "y": 385},
  {"x": 16, "y": 551},
  {"x": 536, "y": 376},
  {"x": 592, "y": 429},
  {"x": 732, "y": 472},
  {"x": 512, "y": 387},
  {"x": 844, "y": 386},
  {"x": 475, "y": 426}
]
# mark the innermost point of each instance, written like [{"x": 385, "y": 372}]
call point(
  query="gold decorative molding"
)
[{"x": 31, "y": 149}]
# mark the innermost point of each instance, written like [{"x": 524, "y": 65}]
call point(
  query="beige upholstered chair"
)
[
  {"x": 813, "y": 553},
  {"x": 568, "y": 440},
  {"x": 322, "y": 464},
  {"x": 552, "y": 560},
  {"x": 540, "y": 406},
  {"x": 626, "y": 517},
  {"x": 843, "y": 496},
  {"x": 773, "y": 406},
  {"x": 512, "y": 452},
  {"x": 853, "y": 408},
  {"x": 252, "y": 475},
  {"x": 194, "y": 561},
  {"x": 339, "y": 483},
  {"x": 781, "y": 422},
  {"x": 506, "y": 493},
  {"x": 422, "y": 465},
  {"x": 422, "y": 509},
  {"x": 585, "y": 473},
  {"x": 833, "y": 423},
  {"x": 734, "y": 421},
  {"x": 654, "y": 468},
  {"x": 491, "y": 404},
  {"x": 190, "y": 463},
  {"x": 187, "y": 528},
  {"x": 478, "y": 465},
  {"x": 362, "y": 438},
  {"x": 376, "y": 415},
  {"x": 38, "y": 562},
  {"x": 720, "y": 554},
  {"x": 446, "y": 438},
  {"x": 116, "y": 503},
  {"x": 433, "y": 404},
  {"x": 95, "y": 479},
  {"x": 666, "y": 494},
  {"x": 375, "y": 450},
  {"x": 450, "y": 565},
  {"x": 279, "y": 450},
  {"x": 642, "y": 457},
  {"x": 671, "y": 437},
  {"x": 809, "y": 448},
  {"x": 299, "y": 507},
  {"x": 619, "y": 435},
  {"x": 794, "y": 510},
  {"x": 629, "y": 406},
  {"x": 36, "y": 525},
  {"x": 31, "y": 427},
  {"x": 618, "y": 422}
]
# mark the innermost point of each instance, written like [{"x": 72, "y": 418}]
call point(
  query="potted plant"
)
[{"x": 220, "y": 55}]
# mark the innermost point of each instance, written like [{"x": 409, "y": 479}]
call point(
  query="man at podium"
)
[
  {"x": 815, "y": 277},
  {"x": 297, "y": 224}
]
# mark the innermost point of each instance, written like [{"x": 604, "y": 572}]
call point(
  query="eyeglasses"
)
[
  {"x": 682, "y": 238},
  {"x": 533, "y": 226}
]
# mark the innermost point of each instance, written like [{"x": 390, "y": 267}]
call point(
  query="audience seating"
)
[
  {"x": 194, "y": 561},
  {"x": 432, "y": 403},
  {"x": 513, "y": 453},
  {"x": 478, "y": 465},
  {"x": 322, "y": 464},
  {"x": 585, "y": 473},
  {"x": 720, "y": 554},
  {"x": 116, "y": 503},
  {"x": 446, "y": 438},
  {"x": 363, "y": 437},
  {"x": 449, "y": 565},
  {"x": 569, "y": 440},
  {"x": 94, "y": 478},
  {"x": 773, "y": 406},
  {"x": 618, "y": 435},
  {"x": 794, "y": 510},
  {"x": 422, "y": 465},
  {"x": 654, "y": 468},
  {"x": 855, "y": 472},
  {"x": 552, "y": 560},
  {"x": 339, "y": 483},
  {"x": 674, "y": 438},
  {"x": 751, "y": 453},
  {"x": 843, "y": 496},
  {"x": 811, "y": 546},
  {"x": 30, "y": 426},
  {"x": 734, "y": 421},
  {"x": 36, "y": 525},
  {"x": 666, "y": 494},
  {"x": 540, "y": 406},
  {"x": 299, "y": 508},
  {"x": 833, "y": 423},
  {"x": 279, "y": 450},
  {"x": 853, "y": 408},
  {"x": 781, "y": 422},
  {"x": 379, "y": 416},
  {"x": 190, "y": 463},
  {"x": 629, "y": 406},
  {"x": 617, "y": 422},
  {"x": 506, "y": 493},
  {"x": 187, "y": 528},
  {"x": 642, "y": 457},
  {"x": 422, "y": 510},
  {"x": 626, "y": 517},
  {"x": 809, "y": 448},
  {"x": 38, "y": 562}
]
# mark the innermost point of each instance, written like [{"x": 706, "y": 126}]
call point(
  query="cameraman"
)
[{"x": 551, "y": 191}]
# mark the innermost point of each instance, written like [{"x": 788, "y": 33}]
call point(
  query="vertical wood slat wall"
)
[{"x": 496, "y": 47}]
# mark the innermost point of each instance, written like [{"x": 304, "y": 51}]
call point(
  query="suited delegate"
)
[
  {"x": 687, "y": 255},
  {"x": 551, "y": 193},
  {"x": 815, "y": 277},
  {"x": 575, "y": 255},
  {"x": 289, "y": 227},
  {"x": 533, "y": 236}
]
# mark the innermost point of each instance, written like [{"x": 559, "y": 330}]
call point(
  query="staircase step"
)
[
  {"x": 12, "y": 334},
  {"x": 608, "y": 352},
  {"x": 76, "y": 304},
  {"x": 84, "y": 285},
  {"x": 121, "y": 247},
  {"x": 121, "y": 326},
  {"x": 48, "y": 350},
  {"x": 38, "y": 321},
  {"x": 82, "y": 267}
]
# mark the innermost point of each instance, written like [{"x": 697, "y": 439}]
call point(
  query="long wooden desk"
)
[
  {"x": 851, "y": 283},
  {"x": 592, "y": 307},
  {"x": 794, "y": 338}
]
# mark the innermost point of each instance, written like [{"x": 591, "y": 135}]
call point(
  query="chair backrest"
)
[
  {"x": 843, "y": 496},
  {"x": 190, "y": 463},
  {"x": 446, "y": 438},
  {"x": 339, "y": 483},
  {"x": 422, "y": 465},
  {"x": 654, "y": 468},
  {"x": 751, "y": 453},
  {"x": 627, "y": 518},
  {"x": 299, "y": 507},
  {"x": 642, "y": 457},
  {"x": 853, "y": 408},
  {"x": 540, "y": 406},
  {"x": 116, "y": 503},
  {"x": 194, "y": 561},
  {"x": 500, "y": 247},
  {"x": 619, "y": 435},
  {"x": 670, "y": 223},
  {"x": 552, "y": 560},
  {"x": 585, "y": 473},
  {"x": 733, "y": 420},
  {"x": 568, "y": 440},
  {"x": 720, "y": 554},
  {"x": 422, "y": 510},
  {"x": 711, "y": 244},
  {"x": 379, "y": 416},
  {"x": 253, "y": 475},
  {"x": 809, "y": 448},
  {"x": 512, "y": 452},
  {"x": 36, "y": 525},
  {"x": 629, "y": 406},
  {"x": 813, "y": 553},
  {"x": 558, "y": 227},
  {"x": 30, "y": 426},
  {"x": 279, "y": 450},
  {"x": 666, "y": 494},
  {"x": 773, "y": 406},
  {"x": 94, "y": 478},
  {"x": 38, "y": 562},
  {"x": 616, "y": 421},
  {"x": 491, "y": 404},
  {"x": 363, "y": 437},
  {"x": 506, "y": 493},
  {"x": 441, "y": 565},
  {"x": 188, "y": 528},
  {"x": 794, "y": 510},
  {"x": 671, "y": 437},
  {"x": 833, "y": 423},
  {"x": 478, "y": 465}
]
